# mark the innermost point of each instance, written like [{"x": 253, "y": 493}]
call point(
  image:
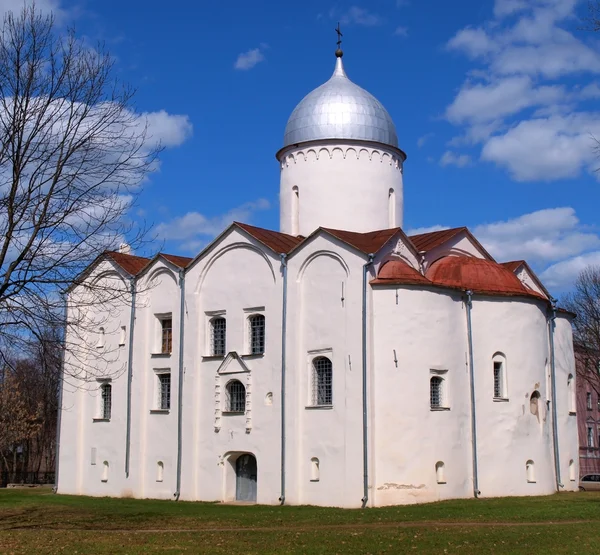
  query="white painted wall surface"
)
[{"x": 340, "y": 185}]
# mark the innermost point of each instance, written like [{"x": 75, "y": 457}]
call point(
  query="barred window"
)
[
  {"x": 166, "y": 335},
  {"x": 164, "y": 391},
  {"x": 322, "y": 390},
  {"x": 435, "y": 392},
  {"x": 218, "y": 335},
  {"x": 256, "y": 324},
  {"x": 498, "y": 380},
  {"x": 236, "y": 396},
  {"x": 106, "y": 394}
]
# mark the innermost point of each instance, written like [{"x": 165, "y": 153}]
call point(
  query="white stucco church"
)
[{"x": 336, "y": 361}]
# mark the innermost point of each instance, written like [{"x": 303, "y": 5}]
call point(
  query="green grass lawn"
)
[{"x": 37, "y": 521}]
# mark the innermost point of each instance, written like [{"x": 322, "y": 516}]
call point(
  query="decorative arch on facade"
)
[
  {"x": 310, "y": 259},
  {"x": 221, "y": 252}
]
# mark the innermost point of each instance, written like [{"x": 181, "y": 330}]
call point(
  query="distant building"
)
[
  {"x": 588, "y": 409},
  {"x": 334, "y": 362}
]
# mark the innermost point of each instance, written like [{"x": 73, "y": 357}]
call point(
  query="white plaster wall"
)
[
  {"x": 84, "y": 364},
  {"x": 154, "y": 434},
  {"x": 235, "y": 275},
  {"x": 508, "y": 433},
  {"x": 340, "y": 185},
  {"x": 567, "y": 422},
  {"x": 409, "y": 438},
  {"x": 321, "y": 323}
]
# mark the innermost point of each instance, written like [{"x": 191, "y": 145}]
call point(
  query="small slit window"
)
[
  {"x": 588, "y": 399},
  {"x": 218, "y": 336},
  {"x": 160, "y": 471},
  {"x": 322, "y": 382},
  {"x": 572, "y": 470},
  {"x": 101, "y": 338},
  {"x": 571, "y": 393},
  {"x": 105, "y": 471},
  {"x": 440, "y": 472},
  {"x": 590, "y": 437},
  {"x": 314, "y": 470},
  {"x": 236, "y": 396},
  {"x": 530, "y": 471},
  {"x": 256, "y": 325}
]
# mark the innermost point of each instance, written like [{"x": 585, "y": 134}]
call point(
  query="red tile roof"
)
[
  {"x": 478, "y": 275},
  {"x": 276, "y": 241},
  {"x": 130, "y": 263},
  {"x": 181, "y": 261},
  {"x": 369, "y": 243},
  {"x": 427, "y": 241},
  {"x": 512, "y": 266},
  {"x": 398, "y": 272}
]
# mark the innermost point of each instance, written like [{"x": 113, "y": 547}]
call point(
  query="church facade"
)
[{"x": 335, "y": 362}]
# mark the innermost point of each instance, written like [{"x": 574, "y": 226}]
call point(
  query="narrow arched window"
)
[
  {"x": 534, "y": 404},
  {"x": 218, "y": 336},
  {"x": 314, "y": 470},
  {"x": 436, "y": 392},
  {"x": 105, "y": 471},
  {"x": 391, "y": 208},
  {"x": 571, "y": 393},
  {"x": 530, "y": 470},
  {"x": 236, "y": 396},
  {"x": 160, "y": 470},
  {"x": 572, "y": 470},
  {"x": 106, "y": 401},
  {"x": 322, "y": 390},
  {"x": 101, "y": 338},
  {"x": 295, "y": 211},
  {"x": 256, "y": 325},
  {"x": 440, "y": 474}
]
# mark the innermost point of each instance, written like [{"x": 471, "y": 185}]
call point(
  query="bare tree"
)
[
  {"x": 584, "y": 301},
  {"x": 593, "y": 18},
  {"x": 73, "y": 154}
]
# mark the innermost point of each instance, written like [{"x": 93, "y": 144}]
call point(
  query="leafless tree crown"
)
[{"x": 73, "y": 155}]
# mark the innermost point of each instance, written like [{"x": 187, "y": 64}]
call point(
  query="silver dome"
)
[{"x": 340, "y": 109}]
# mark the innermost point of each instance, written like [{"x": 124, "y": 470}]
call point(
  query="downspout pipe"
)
[
  {"x": 365, "y": 497},
  {"x": 130, "y": 376},
  {"x": 61, "y": 380},
  {"x": 180, "y": 381},
  {"x": 283, "y": 372},
  {"x": 469, "y": 305},
  {"x": 551, "y": 328}
]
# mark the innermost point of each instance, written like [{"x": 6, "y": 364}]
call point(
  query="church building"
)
[{"x": 335, "y": 362}]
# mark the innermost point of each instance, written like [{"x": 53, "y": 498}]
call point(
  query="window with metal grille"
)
[
  {"x": 498, "y": 380},
  {"x": 166, "y": 335},
  {"x": 256, "y": 324},
  {"x": 236, "y": 396},
  {"x": 435, "y": 392},
  {"x": 106, "y": 394},
  {"x": 218, "y": 334},
  {"x": 589, "y": 401},
  {"x": 322, "y": 390},
  {"x": 164, "y": 391}
]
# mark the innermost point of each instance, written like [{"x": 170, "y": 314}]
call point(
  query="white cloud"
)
[
  {"x": 424, "y": 138},
  {"x": 247, "y": 60},
  {"x": 513, "y": 104},
  {"x": 562, "y": 275},
  {"x": 44, "y": 6},
  {"x": 450, "y": 158},
  {"x": 401, "y": 31},
  {"x": 487, "y": 102},
  {"x": 360, "y": 16},
  {"x": 193, "y": 229},
  {"x": 556, "y": 147},
  {"x": 543, "y": 236},
  {"x": 169, "y": 129}
]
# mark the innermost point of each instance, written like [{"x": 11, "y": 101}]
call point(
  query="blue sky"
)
[{"x": 495, "y": 103}]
